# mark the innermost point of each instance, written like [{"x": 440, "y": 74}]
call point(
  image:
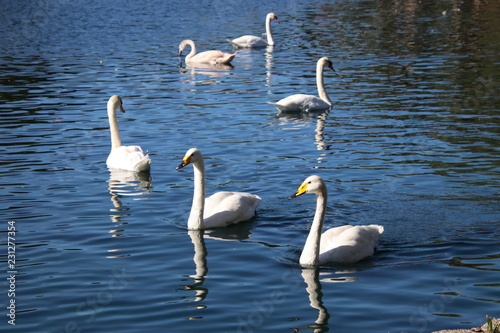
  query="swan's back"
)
[
  {"x": 301, "y": 102},
  {"x": 213, "y": 57},
  {"x": 131, "y": 158},
  {"x": 248, "y": 41},
  {"x": 349, "y": 244},
  {"x": 224, "y": 208}
]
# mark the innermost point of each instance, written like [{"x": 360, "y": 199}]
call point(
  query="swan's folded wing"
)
[
  {"x": 224, "y": 208},
  {"x": 130, "y": 158},
  {"x": 213, "y": 57},
  {"x": 301, "y": 102},
  {"x": 248, "y": 41},
  {"x": 349, "y": 245},
  {"x": 330, "y": 236}
]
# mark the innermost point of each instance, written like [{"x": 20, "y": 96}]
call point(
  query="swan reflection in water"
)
[
  {"x": 269, "y": 67},
  {"x": 212, "y": 70},
  {"x": 320, "y": 138},
  {"x": 321, "y": 144},
  {"x": 236, "y": 232},
  {"x": 124, "y": 183},
  {"x": 313, "y": 288},
  {"x": 311, "y": 278},
  {"x": 200, "y": 261}
]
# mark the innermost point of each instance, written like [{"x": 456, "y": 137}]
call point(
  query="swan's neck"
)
[
  {"x": 310, "y": 253},
  {"x": 320, "y": 83},
  {"x": 193, "y": 49},
  {"x": 269, "y": 35},
  {"x": 113, "y": 126},
  {"x": 195, "y": 220}
]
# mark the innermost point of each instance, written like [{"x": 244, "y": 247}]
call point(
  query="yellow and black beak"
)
[
  {"x": 185, "y": 161},
  {"x": 302, "y": 189}
]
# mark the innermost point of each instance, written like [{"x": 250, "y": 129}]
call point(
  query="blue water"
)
[{"x": 411, "y": 143}]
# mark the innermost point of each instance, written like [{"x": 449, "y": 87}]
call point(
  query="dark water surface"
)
[{"x": 411, "y": 143}]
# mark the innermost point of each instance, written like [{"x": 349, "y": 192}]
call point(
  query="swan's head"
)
[
  {"x": 325, "y": 62},
  {"x": 183, "y": 45},
  {"x": 192, "y": 156},
  {"x": 272, "y": 16},
  {"x": 312, "y": 184},
  {"x": 115, "y": 102}
]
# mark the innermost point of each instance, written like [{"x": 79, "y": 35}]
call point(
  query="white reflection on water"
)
[
  {"x": 314, "y": 287},
  {"x": 124, "y": 183},
  {"x": 211, "y": 70},
  {"x": 320, "y": 135},
  {"x": 310, "y": 276},
  {"x": 200, "y": 259},
  {"x": 269, "y": 66},
  {"x": 128, "y": 183}
]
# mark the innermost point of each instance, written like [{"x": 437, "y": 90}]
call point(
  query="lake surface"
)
[{"x": 411, "y": 143}]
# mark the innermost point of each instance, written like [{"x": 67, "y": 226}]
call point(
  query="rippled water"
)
[{"x": 411, "y": 143}]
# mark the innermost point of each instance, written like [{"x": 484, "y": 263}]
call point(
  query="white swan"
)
[
  {"x": 221, "y": 208},
  {"x": 130, "y": 158},
  {"x": 345, "y": 244},
  {"x": 302, "y": 102},
  {"x": 248, "y": 41},
  {"x": 212, "y": 57}
]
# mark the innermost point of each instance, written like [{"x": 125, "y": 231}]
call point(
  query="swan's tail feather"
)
[
  {"x": 225, "y": 59},
  {"x": 278, "y": 106},
  {"x": 144, "y": 164},
  {"x": 233, "y": 43},
  {"x": 231, "y": 57},
  {"x": 284, "y": 109},
  {"x": 378, "y": 227}
]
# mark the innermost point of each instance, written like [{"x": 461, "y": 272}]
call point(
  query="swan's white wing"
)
[
  {"x": 331, "y": 235},
  {"x": 349, "y": 244},
  {"x": 301, "y": 102},
  {"x": 130, "y": 158},
  {"x": 224, "y": 208},
  {"x": 213, "y": 57},
  {"x": 248, "y": 41}
]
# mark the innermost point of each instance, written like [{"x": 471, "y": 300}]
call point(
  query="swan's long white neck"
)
[
  {"x": 269, "y": 35},
  {"x": 320, "y": 83},
  {"x": 193, "y": 49},
  {"x": 195, "y": 220},
  {"x": 113, "y": 126},
  {"x": 310, "y": 253}
]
